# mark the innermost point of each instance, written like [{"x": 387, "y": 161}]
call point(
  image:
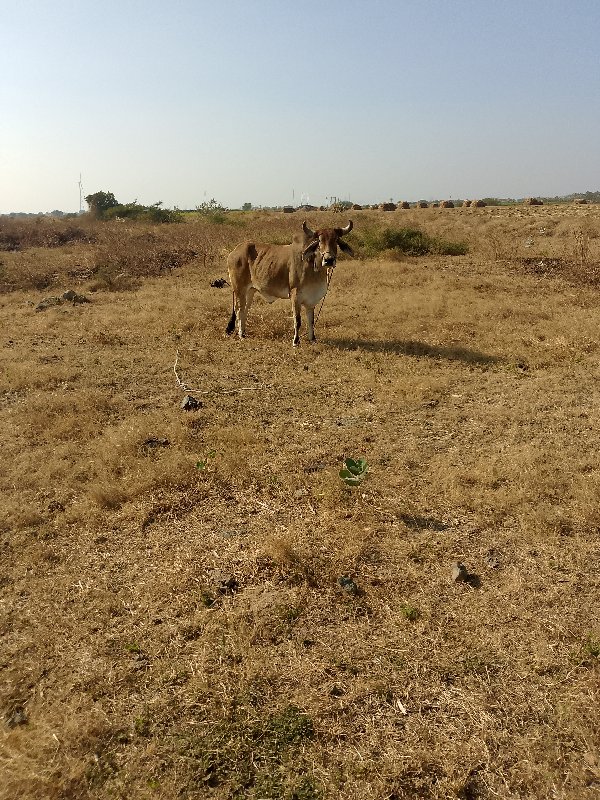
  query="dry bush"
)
[
  {"x": 124, "y": 256},
  {"x": 20, "y": 234}
]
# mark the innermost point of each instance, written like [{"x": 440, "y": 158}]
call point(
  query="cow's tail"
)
[{"x": 231, "y": 326}]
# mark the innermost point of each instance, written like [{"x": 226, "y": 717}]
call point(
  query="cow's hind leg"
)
[
  {"x": 231, "y": 325},
  {"x": 243, "y": 311}
]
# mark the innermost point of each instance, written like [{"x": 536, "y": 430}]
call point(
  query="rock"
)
[
  {"x": 16, "y": 717},
  {"x": 153, "y": 442},
  {"x": 459, "y": 573},
  {"x": 348, "y": 585},
  {"x": 48, "y": 303},
  {"x": 190, "y": 403},
  {"x": 230, "y": 533},
  {"x": 317, "y": 466},
  {"x": 219, "y": 283},
  {"x": 73, "y": 297},
  {"x": 224, "y": 582}
]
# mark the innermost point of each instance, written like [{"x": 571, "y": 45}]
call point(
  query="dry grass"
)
[{"x": 173, "y": 619}]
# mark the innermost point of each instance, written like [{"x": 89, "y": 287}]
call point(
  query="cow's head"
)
[{"x": 324, "y": 244}]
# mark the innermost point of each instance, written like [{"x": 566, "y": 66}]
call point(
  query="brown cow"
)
[{"x": 298, "y": 270}]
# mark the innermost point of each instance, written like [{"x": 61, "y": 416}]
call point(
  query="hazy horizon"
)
[{"x": 270, "y": 104}]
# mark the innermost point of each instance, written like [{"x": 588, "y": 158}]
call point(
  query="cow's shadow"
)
[{"x": 415, "y": 348}]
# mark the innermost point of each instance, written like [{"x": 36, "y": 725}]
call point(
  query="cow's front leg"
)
[
  {"x": 310, "y": 320},
  {"x": 297, "y": 318}
]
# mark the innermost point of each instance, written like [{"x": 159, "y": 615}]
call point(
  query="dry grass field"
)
[{"x": 195, "y": 605}]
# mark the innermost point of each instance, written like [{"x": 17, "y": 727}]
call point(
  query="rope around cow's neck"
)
[{"x": 329, "y": 278}]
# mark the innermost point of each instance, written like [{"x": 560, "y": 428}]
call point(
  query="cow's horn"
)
[
  {"x": 307, "y": 230},
  {"x": 347, "y": 229}
]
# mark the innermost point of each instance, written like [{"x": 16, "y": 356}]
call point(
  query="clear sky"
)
[{"x": 270, "y": 101}]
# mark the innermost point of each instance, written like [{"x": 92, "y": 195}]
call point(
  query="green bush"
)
[
  {"x": 398, "y": 242},
  {"x": 153, "y": 214},
  {"x": 214, "y": 212}
]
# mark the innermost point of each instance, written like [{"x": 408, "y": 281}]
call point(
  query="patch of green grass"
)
[
  {"x": 592, "y": 648},
  {"x": 252, "y": 755},
  {"x": 142, "y": 726},
  {"x": 133, "y": 647}
]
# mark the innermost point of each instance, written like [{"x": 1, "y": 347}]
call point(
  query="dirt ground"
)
[{"x": 195, "y": 605}]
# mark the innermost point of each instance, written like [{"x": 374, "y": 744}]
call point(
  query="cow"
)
[{"x": 298, "y": 271}]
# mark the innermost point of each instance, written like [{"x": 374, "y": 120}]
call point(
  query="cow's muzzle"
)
[{"x": 327, "y": 262}]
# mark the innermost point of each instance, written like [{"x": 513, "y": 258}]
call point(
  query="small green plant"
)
[
  {"x": 141, "y": 726},
  {"x": 592, "y": 648},
  {"x": 411, "y": 613},
  {"x": 354, "y": 471},
  {"x": 203, "y": 463}
]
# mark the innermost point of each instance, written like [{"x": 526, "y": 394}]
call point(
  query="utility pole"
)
[{"x": 80, "y": 184}]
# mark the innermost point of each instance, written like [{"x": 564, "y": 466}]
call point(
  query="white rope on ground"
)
[
  {"x": 184, "y": 387},
  {"x": 329, "y": 278},
  {"x": 260, "y": 386}
]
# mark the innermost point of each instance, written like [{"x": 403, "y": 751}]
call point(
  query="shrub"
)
[
  {"x": 121, "y": 260},
  {"x": 18, "y": 234},
  {"x": 398, "y": 242},
  {"x": 153, "y": 214},
  {"x": 213, "y": 212}
]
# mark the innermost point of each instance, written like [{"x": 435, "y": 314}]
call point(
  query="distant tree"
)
[
  {"x": 210, "y": 207},
  {"x": 247, "y": 207},
  {"x": 100, "y": 202}
]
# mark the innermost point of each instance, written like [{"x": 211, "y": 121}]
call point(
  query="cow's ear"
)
[
  {"x": 310, "y": 248},
  {"x": 345, "y": 247}
]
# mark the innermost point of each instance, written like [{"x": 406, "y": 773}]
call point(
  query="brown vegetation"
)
[{"x": 196, "y": 606}]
